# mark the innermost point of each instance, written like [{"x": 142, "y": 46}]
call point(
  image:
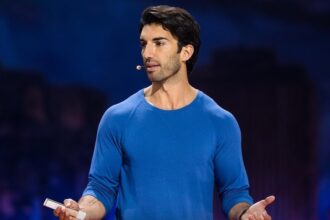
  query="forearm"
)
[
  {"x": 94, "y": 208},
  {"x": 237, "y": 210}
]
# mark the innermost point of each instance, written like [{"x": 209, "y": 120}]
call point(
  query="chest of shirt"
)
[{"x": 163, "y": 139}]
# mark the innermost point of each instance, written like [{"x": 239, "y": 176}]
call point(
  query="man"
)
[{"x": 161, "y": 151}]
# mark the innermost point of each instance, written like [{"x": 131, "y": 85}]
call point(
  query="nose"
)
[{"x": 148, "y": 51}]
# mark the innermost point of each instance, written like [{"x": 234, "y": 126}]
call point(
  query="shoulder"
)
[
  {"x": 222, "y": 121},
  {"x": 121, "y": 111},
  {"x": 214, "y": 110}
]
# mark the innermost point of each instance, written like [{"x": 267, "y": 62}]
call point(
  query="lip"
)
[{"x": 152, "y": 67}]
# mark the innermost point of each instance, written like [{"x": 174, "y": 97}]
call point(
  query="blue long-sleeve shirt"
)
[{"x": 163, "y": 164}]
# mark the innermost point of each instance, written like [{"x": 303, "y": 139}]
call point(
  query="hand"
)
[
  {"x": 258, "y": 210},
  {"x": 65, "y": 213}
]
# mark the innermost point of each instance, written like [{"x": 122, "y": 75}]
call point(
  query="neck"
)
[{"x": 170, "y": 96}]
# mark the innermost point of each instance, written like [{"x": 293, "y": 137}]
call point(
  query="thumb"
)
[
  {"x": 268, "y": 200},
  {"x": 70, "y": 203}
]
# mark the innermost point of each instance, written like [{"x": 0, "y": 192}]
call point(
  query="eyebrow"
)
[
  {"x": 155, "y": 39},
  {"x": 159, "y": 38}
]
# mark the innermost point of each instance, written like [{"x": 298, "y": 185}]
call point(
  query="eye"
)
[
  {"x": 159, "y": 43},
  {"x": 143, "y": 44}
]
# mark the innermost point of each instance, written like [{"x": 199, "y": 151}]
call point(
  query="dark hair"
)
[{"x": 179, "y": 23}]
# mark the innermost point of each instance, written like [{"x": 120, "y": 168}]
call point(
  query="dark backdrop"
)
[{"x": 62, "y": 63}]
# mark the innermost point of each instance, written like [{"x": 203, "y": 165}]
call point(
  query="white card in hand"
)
[{"x": 53, "y": 205}]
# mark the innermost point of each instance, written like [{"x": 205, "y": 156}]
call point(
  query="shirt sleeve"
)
[
  {"x": 106, "y": 163},
  {"x": 230, "y": 173}
]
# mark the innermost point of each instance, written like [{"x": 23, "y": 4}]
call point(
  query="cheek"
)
[{"x": 173, "y": 63}]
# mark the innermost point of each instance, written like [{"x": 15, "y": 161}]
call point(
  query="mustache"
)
[{"x": 150, "y": 61}]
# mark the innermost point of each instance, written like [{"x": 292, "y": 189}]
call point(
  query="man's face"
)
[{"x": 159, "y": 50}]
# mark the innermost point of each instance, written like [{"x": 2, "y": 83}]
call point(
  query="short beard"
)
[{"x": 170, "y": 69}]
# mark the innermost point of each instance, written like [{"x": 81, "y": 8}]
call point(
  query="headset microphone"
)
[{"x": 139, "y": 67}]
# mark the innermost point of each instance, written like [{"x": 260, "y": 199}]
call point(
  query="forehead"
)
[{"x": 151, "y": 31}]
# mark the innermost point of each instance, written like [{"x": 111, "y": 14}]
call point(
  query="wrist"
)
[{"x": 242, "y": 213}]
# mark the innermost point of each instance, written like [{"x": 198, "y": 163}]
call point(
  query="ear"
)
[{"x": 186, "y": 52}]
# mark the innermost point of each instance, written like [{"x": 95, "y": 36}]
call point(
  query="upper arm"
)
[
  {"x": 106, "y": 163},
  {"x": 230, "y": 171}
]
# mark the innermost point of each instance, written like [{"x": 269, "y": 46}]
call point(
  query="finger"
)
[
  {"x": 71, "y": 212},
  {"x": 71, "y": 204},
  {"x": 256, "y": 215},
  {"x": 249, "y": 217},
  {"x": 60, "y": 213},
  {"x": 65, "y": 213},
  {"x": 57, "y": 211},
  {"x": 266, "y": 216}
]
